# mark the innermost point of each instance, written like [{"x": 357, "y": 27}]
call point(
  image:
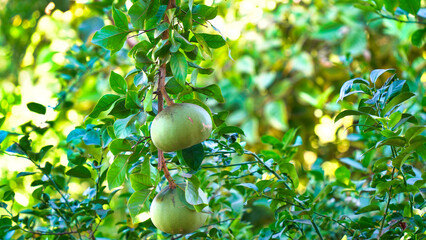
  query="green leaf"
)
[
  {"x": 418, "y": 37},
  {"x": 117, "y": 83},
  {"x": 137, "y": 13},
  {"x": 238, "y": 148},
  {"x": 15, "y": 148},
  {"x": 3, "y": 135},
  {"x": 103, "y": 104},
  {"x": 353, "y": 164},
  {"x": 147, "y": 102},
  {"x": 2, "y": 120},
  {"x": 125, "y": 127},
  {"x": 204, "y": 47},
  {"x": 179, "y": 67},
  {"x": 173, "y": 87},
  {"x": 191, "y": 190},
  {"x": 138, "y": 203},
  {"x": 212, "y": 40},
  {"x": 23, "y": 174},
  {"x": 391, "y": 5},
  {"x": 43, "y": 152},
  {"x": 276, "y": 114},
  {"x": 160, "y": 29},
  {"x": 120, "y": 19},
  {"x": 203, "y": 12},
  {"x": 132, "y": 100},
  {"x": 396, "y": 101},
  {"x": 415, "y": 143},
  {"x": 79, "y": 172},
  {"x": 36, "y": 107},
  {"x": 192, "y": 156},
  {"x": 220, "y": 117},
  {"x": 369, "y": 208},
  {"x": 343, "y": 175},
  {"x": 377, "y": 73},
  {"x": 8, "y": 195},
  {"x": 119, "y": 110},
  {"x": 384, "y": 186},
  {"x": 366, "y": 7},
  {"x": 414, "y": 131},
  {"x": 394, "y": 119},
  {"x": 270, "y": 140},
  {"x": 411, "y": 6},
  {"x": 140, "y": 79},
  {"x": 111, "y": 38},
  {"x": 211, "y": 91},
  {"x": 185, "y": 44},
  {"x": 187, "y": 20},
  {"x": 392, "y": 141},
  {"x": 194, "y": 195},
  {"x": 290, "y": 170},
  {"x": 324, "y": 192},
  {"x": 142, "y": 179},
  {"x": 117, "y": 172},
  {"x": 120, "y": 145},
  {"x": 92, "y": 137},
  {"x": 228, "y": 129},
  {"x": 346, "y": 113},
  {"x": 199, "y": 69},
  {"x": 142, "y": 47}
]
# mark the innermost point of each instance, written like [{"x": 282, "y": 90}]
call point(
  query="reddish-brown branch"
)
[
  {"x": 162, "y": 83},
  {"x": 162, "y": 93},
  {"x": 162, "y": 164}
]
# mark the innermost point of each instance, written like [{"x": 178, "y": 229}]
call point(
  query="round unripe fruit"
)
[
  {"x": 170, "y": 214},
  {"x": 180, "y": 126}
]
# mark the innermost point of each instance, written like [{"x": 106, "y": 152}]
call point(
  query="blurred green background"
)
[{"x": 289, "y": 60}]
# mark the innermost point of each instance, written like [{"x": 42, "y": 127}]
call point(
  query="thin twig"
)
[
  {"x": 396, "y": 19},
  {"x": 140, "y": 32},
  {"x": 49, "y": 233},
  {"x": 230, "y": 165},
  {"x": 382, "y": 224},
  {"x": 316, "y": 228}
]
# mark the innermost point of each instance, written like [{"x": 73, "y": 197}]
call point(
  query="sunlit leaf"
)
[
  {"x": 117, "y": 172},
  {"x": 120, "y": 19},
  {"x": 111, "y": 38},
  {"x": 179, "y": 67},
  {"x": 103, "y": 104},
  {"x": 211, "y": 91},
  {"x": 117, "y": 83}
]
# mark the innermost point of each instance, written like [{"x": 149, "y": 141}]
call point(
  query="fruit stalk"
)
[{"x": 162, "y": 93}]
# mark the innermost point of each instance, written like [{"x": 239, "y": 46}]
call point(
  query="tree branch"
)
[{"x": 162, "y": 93}]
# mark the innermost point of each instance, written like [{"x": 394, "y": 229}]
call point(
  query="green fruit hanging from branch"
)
[
  {"x": 180, "y": 126},
  {"x": 170, "y": 213}
]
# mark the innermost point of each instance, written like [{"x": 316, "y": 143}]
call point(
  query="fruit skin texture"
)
[
  {"x": 180, "y": 126},
  {"x": 170, "y": 215}
]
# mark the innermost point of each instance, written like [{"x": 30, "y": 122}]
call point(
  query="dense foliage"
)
[{"x": 317, "y": 109}]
